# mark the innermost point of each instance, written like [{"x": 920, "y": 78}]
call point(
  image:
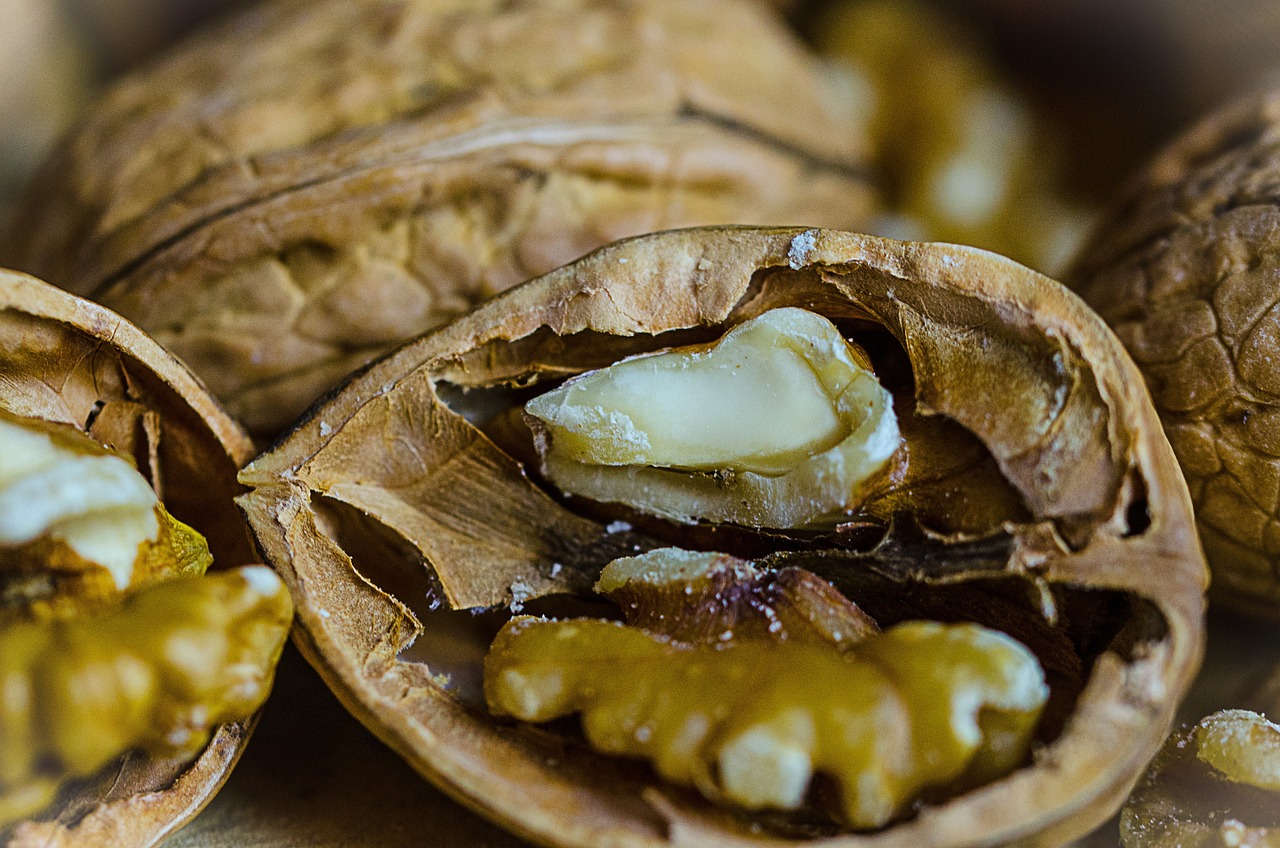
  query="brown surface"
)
[
  {"x": 1184, "y": 268},
  {"x": 288, "y": 195},
  {"x": 386, "y": 498}
]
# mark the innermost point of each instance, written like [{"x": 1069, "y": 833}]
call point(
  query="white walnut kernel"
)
[
  {"x": 778, "y": 424},
  {"x": 98, "y": 504}
]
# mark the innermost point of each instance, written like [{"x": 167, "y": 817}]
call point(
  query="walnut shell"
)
[
  {"x": 386, "y": 506},
  {"x": 360, "y": 172},
  {"x": 1183, "y": 268},
  {"x": 68, "y": 360}
]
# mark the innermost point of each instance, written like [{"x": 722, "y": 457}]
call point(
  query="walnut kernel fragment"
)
[
  {"x": 709, "y": 598},
  {"x": 158, "y": 672},
  {"x": 922, "y": 707},
  {"x": 79, "y": 524},
  {"x": 1214, "y": 784},
  {"x": 778, "y": 424}
]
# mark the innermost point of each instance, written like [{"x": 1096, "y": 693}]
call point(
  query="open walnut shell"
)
[
  {"x": 1037, "y": 495},
  {"x": 1183, "y": 267},
  {"x": 68, "y": 360},
  {"x": 359, "y": 173}
]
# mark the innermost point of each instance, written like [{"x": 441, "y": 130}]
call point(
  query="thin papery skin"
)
[
  {"x": 71, "y": 362},
  {"x": 385, "y": 472},
  {"x": 1183, "y": 267},
  {"x": 708, "y": 598},
  {"x": 365, "y": 172}
]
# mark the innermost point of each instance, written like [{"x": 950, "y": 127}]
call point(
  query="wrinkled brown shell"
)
[
  {"x": 384, "y": 493},
  {"x": 65, "y": 359},
  {"x": 1184, "y": 269},
  {"x": 299, "y": 190}
]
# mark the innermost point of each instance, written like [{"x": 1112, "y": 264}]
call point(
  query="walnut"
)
[
  {"x": 712, "y": 598},
  {"x": 82, "y": 388},
  {"x": 1032, "y": 494},
  {"x": 963, "y": 156},
  {"x": 1216, "y": 783},
  {"x": 748, "y": 718},
  {"x": 78, "y": 524},
  {"x": 779, "y": 424},
  {"x": 156, "y": 673},
  {"x": 765, "y": 717},
  {"x": 298, "y": 190},
  {"x": 1182, "y": 268}
]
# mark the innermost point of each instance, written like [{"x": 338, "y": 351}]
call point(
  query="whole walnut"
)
[
  {"x": 1184, "y": 268},
  {"x": 299, "y": 189}
]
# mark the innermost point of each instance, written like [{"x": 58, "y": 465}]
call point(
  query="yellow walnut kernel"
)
[
  {"x": 1214, "y": 785},
  {"x": 922, "y": 707},
  {"x": 157, "y": 672},
  {"x": 78, "y": 523},
  {"x": 778, "y": 424},
  {"x": 1243, "y": 746}
]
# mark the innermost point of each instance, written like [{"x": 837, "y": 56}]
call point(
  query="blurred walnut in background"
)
[
  {"x": 289, "y": 195},
  {"x": 961, "y": 153},
  {"x": 43, "y": 80}
]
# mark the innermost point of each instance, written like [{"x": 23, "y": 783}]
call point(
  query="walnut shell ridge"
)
[{"x": 1183, "y": 267}]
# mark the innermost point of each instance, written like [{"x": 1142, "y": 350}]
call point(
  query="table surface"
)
[{"x": 313, "y": 776}]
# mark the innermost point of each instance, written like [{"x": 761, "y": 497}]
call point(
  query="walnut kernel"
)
[
  {"x": 778, "y": 424},
  {"x": 750, "y": 724}
]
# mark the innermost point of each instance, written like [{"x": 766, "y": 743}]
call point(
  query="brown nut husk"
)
[
  {"x": 363, "y": 172},
  {"x": 1183, "y": 268},
  {"x": 1036, "y": 494},
  {"x": 66, "y": 360}
]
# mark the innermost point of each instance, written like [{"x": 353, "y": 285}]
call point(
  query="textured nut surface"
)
[
  {"x": 1184, "y": 269},
  {"x": 362, "y": 172},
  {"x": 892, "y": 716},
  {"x": 1060, "y": 520},
  {"x": 71, "y": 362},
  {"x": 157, "y": 673},
  {"x": 702, "y": 597}
]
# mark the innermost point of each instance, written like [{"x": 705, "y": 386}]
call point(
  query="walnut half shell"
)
[
  {"x": 68, "y": 360},
  {"x": 1036, "y": 494}
]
